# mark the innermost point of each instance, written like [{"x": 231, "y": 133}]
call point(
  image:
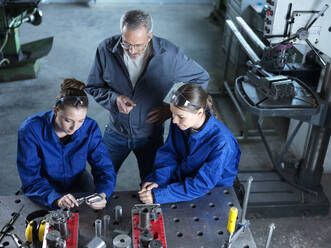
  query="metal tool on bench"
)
[
  {"x": 18, "y": 242},
  {"x": 90, "y": 199},
  {"x": 6, "y": 228}
]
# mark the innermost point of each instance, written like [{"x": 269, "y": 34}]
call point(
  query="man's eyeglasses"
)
[
  {"x": 137, "y": 47},
  {"x": 180, "y": 100}
]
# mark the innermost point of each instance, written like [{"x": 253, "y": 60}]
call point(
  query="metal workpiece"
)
[
  {"x": 122, "y": 241},
  {"x": 194, "y": 224},
  {"x": 90, "y": 199},
  {"x": 250, "y": 52},
  {"x": 97, "y": 227},
  {"x": 54, "y": 240},
  {"x": 145, "y": 238},
  {"x": 96, "y": 242},
  {"x": 58, "y": 220},
  {"x": 155, "y": 244},
  {"x": 118, "y": 213},
  {"x": 144, "y": 219}
]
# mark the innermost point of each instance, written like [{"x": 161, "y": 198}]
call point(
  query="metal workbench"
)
[{"x": 197, "y": 223}]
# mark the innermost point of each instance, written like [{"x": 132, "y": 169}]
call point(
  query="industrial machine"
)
[
  {"x": 300, "y": 90},
  {"x": 18, "y": 62}
]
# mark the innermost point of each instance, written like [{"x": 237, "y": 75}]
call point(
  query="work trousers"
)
[{"x": 144, "y": 149}]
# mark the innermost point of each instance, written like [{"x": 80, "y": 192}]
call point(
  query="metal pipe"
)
[
  {"x": 248, "y": 189},
  {"x": 324, "y": 85},
  {"x": 235, "y": 102},
  {"x": 250, "y": 52},
  {"x": 98, "y": 226},
  {"x": 250, "y": 33},
  {"x": 271, "y": 229}
]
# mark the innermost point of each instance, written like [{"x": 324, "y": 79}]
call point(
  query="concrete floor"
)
[{"x": 77, "y": 30}]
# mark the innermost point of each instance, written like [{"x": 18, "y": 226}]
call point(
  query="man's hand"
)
[
  {"x": 100, "y": 204},
  {"x": 160, "y": 114},
  {"x": 124, "y": 104},
  {"x": 68, "y": 201}
]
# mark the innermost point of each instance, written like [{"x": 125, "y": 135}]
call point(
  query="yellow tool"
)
[
  {"x": 231, "y": 225},
  {"x": 232, "y": 219}
]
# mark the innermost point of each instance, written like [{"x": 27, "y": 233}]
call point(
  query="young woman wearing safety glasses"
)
[
  {"x": 199, "y": 153},
  {"x": 53, "y": 148}
]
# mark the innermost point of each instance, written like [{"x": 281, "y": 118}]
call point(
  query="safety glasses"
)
[
  {"x": 179, "y": 100},
  {"x": 76, "y": 100}
]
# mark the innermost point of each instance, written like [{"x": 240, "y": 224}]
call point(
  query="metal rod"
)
[
  {"x": 250, "y": 52},
  {"x": 271, "y": 229},
  {"x": 289, "y": 142},
  {"x": 318, "y": 15},
  {"x": 235, "y": 102},
  {"x": 250, "y": 33},
  {"x": 316, "y": 52},
  {"x": 248, "y": 189},
  {"x": 98, "y": 227}
]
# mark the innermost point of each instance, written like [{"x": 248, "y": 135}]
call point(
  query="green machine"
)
[{"x": 18, "y": 62}]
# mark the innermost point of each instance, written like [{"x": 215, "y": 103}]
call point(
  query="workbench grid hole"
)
[
  {"x": 173, "y": 206},
  {"x": 5, "y": 243},
  {"x": 209, "y": 193},
  {"x": 246, "y": 246},
  {"x": 115, "y": 223},
  {"x": 192, "y": 205},
  {"x": 211, "y": 205},
  {"x": 216, "y": 218},
  {"x": 199, "y": 233},
  {"x": 230, "y": 204},
  {"x": 220, "y": 232},
  {"x": 12, "y": 214},
  {"x": 176, "y": 220},
  {"x": 134, "y": 196},
  {"x": 226, "y": 192},
  {"x": 115, "y": 196},
  {"x": 17, "y": 201},
  {"x": 179, "y": 234},
  {"x": 196, "y": 219}
]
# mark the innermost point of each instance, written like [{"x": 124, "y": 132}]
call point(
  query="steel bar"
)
[
  {"x": 250, "y": 33},
  {"x": 250, "y": 52}
]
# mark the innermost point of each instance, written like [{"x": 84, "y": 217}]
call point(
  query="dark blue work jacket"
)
[
  {"x": 188, "y": 166},
  {"x": 109, "y": 78},
  {"x": 48, "y": 168}
]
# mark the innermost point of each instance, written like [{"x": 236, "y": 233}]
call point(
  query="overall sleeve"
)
[
  {"x": 166, "y": 162},
  {"x": 101, "y": 165},
  {"x": 187, "y": 70},
  {"x": 97, "y": 87},
  {"x": 29, "y": 165},
  {"x": 206, "y": 178}
]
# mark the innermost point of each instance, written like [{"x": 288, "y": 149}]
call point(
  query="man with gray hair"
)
[{"x": 131, "y": 75}]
